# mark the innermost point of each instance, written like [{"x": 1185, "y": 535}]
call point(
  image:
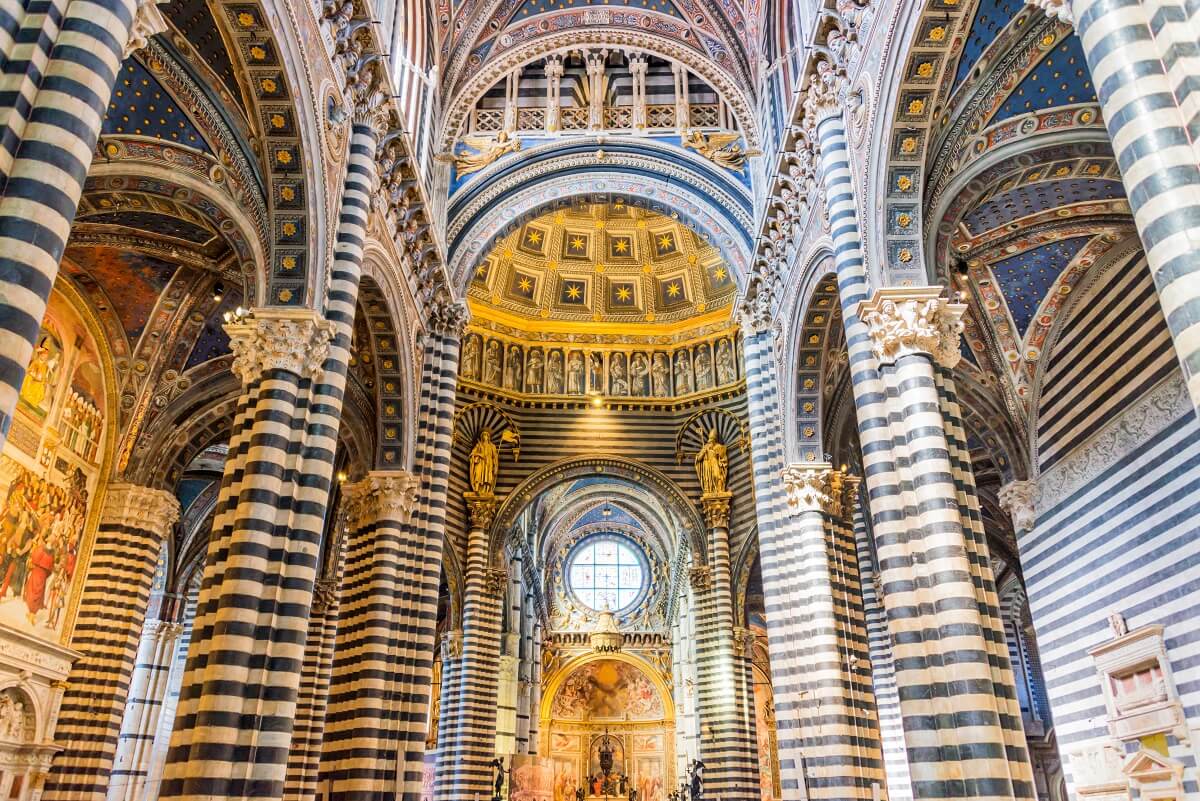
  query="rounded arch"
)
[
  {"x": 480, "y": 221},
  {"x": 208, "y": 196},
  {"x": 687, "y": 515},
  {"x": 555, "y": 681},
  {"x": 725, "y": 84}
]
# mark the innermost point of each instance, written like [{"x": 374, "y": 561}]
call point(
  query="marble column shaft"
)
[{"x": 134, "y": 523}]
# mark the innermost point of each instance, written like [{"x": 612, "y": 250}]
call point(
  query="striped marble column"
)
[
  {"x": 368, "y": 731},
  {"x": 238, "y": 699},
  {"x": 464, "y": 769},
  {"x": 147, "y": 691},
  {"x": 450, "y": 652},
  {"x": 959, "y": 744},
  {"x": 1144, "y": 73},
  {"x": 304, "y": 758},
  {"x": 134, "y": 523},
  {"x": 728, "y": 746},
  {"x": 934, "y": 579},
  {"x": 46, "y": 150},
  {"x": 832, "y": 718}
]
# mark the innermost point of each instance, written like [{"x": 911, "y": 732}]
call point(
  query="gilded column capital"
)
[
  {"x": 1018, "y": 499},
  {"x": 481, "y": 508},
  {"x": 810, "y": 489},
  {"x": 824, "y": 96},
  {"x": 716, "y": 506},
  {"x": 700, "y": 577},
  {"x": 142, "y": 508},
  {"x": 907, "y": 320},
  {"x": 295, "y": 340}
]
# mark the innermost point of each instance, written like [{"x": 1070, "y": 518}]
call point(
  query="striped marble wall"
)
[{"x": 1118, "y": 500}]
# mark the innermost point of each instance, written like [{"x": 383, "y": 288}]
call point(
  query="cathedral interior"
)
[{"x": 573, "y": 400}]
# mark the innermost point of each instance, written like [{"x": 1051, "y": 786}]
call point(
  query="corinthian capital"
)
[
  {"x": 382, "y": 495},
  {"x": 1018, "y": 500},
  {"x": 810, "y": 488},
  {"x": 906, "y": 320},
  {"x": 448, "y": 318},
  {"x": 295, "y": 340},
  {"x": 141, "y": 508},
  {"x": 1058, "y": 9},
  {"x": 824, "y": 95},
  {"x": 147, "y": 21}
]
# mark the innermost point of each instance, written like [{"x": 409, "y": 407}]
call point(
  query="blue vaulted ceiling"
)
[
  {"x": 990, "y": 19},
  {"x": 140, "y": 106},
  {"x": 1042, "y": 196},
  {"x": 1060, "y": 79},
  {"x": 1025, "y": 279}
]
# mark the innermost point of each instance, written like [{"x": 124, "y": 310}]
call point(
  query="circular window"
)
[{"x": 607, "y": 572}]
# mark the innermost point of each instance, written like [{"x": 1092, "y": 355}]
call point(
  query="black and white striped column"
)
[
  {"x": 1142, "y": 55},
  {"x": 464, "y": 769},
  {"x": 134, "y": 523},
  {"x": 238, "y": 700},
  {"x": 728, "y": 746},
  {"x": 374, "y": 695},
  {"x": 961, "y": 742},
  {"x": 48, "y": 145},
  {"x": 143, "y": 710}
]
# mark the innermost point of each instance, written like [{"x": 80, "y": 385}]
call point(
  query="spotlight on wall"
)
[
  {"x": 218, "y": 291},
  {"x": 597, "y": 400}
]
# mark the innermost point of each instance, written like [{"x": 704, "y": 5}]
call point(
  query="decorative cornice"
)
[
  {"x": 1017, "y": 498},
  {"x": 141, "y": 508},
  {"x": 907, "y": 320},
  {"x": 295, "y": 340}
]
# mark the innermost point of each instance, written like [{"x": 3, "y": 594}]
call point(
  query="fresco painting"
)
[{"x": 607, "y": 689}]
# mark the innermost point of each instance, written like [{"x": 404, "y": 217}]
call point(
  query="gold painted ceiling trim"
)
[{"x": 481, "y": 312}]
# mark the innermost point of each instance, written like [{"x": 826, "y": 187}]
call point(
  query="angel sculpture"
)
[
  {"x": 720, "y": 148},
  {"x": 488, "y": 151}
]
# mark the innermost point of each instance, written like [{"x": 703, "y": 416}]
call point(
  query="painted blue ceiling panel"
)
[
  {"x": 990, "y": 18},
  {"x": 1042, "y": 196},
  {"x": 140, "y": 106},
  {"x": 1062, "y": 78},
  {"x": 1025, "y": 279}
]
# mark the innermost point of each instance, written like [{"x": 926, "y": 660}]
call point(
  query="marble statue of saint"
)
[
  {"x": 575, "y": 373},
  {"x": 703, "y": 368},
  {"x": 534, "y": 369},
  {"x": 554, "y": 373},
  {"x": 662, "y": 376},
  {"x": 639, "y": 375},
  {"x": 491, "y": 364},
  {"x": 512, "y": 372},
  {"x": 712, "y": 465},
  {"x": 683, "y": 373},
  {"x": 726, "y": 373},
  {"x": 596, "y": 372},
  {"x": 470, "y": 359},
  {"x": 620, "y": 380},
  {"x": 485, "y": 464}
]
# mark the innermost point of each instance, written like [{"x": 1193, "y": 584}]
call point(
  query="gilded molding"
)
[
  {"x": 295, "y": 340},
  {"x": 716, "y": 507},
  {"x": 902, "y": 321}
]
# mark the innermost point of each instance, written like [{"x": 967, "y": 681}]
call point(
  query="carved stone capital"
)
[
  {"x": 824, "y": 95},
  {"x": 700, "y": 577},
  {"x": 295, "y": 340},
  {"x": 809, "y": 489},
  {"x": 495, "y": 579},
  {"x": 481, "y": 508},
  {"x": 1017, "y": 498},
  {"x": 162, "y": 630},
  {"x": 452, "y": 644},
  {"x": 907, "y": 320},
  {"x": 325, "y": 592},
  {"x": 1057, "y": 9},
  {"x": 448, "y": 318},
  {"x": 382, "y": 495},
  {"x": 142, "y": 508},
  {"x": 147, "y": 21},
  {"x": 716, "y": 508}
]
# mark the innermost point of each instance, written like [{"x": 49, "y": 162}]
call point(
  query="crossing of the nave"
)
[{"x": 580, "y": 400}]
